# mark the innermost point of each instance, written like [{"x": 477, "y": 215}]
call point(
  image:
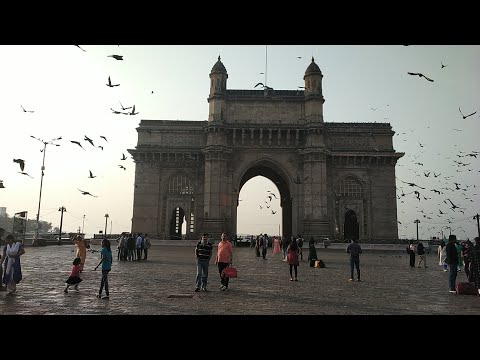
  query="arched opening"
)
[
  {"x": 264, "y": 179},
  {"x": 177, "y": 224},
  {"x": 259, "y": 209},
  {"x": 350, "y": 226}
]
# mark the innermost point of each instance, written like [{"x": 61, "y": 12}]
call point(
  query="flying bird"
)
[
  {"x": 91, "y": 175},
  {"x": 26, "y": 110},
  {"x": 122, "y": 167},
  {"x": 86, "y": 193},
  {"x": 133, "y": 112},
  {"x": 101, "y": 147},
  {"x": 104, "y": 138},
  {"x": 123, "y": 157},
  {"x": 24, "y": 173},
  {"x": 1, "y": 185},
  {"x": 89, "y": 140},
  {"x": 76, "y": 142},
  {"x": 116, "y": 112},
  {"x": 124, "y": 108},
  {"x": 29, "y": 111},
  {"x": 443, "y": 66},
  {"x": 110, "y": 83},
  {"x": 116, "y": 57},
  {"x": 20, "y": 162},
  {"x": 420, "y": 75},
  {"x": 412, "y": 184},
  {"x": 273, "y": 212},
  {"x": 465, "y": 116},
  {"x": 271, "y": 193},
  {"x": 264, "y": 86},
  {"x": 80, "y": 48}
]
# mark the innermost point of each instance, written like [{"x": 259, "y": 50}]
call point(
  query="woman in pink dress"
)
[{"x": 276, "y": 245}]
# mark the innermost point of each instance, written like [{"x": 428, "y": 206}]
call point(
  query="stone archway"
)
[{"x": 267, "y": 171}]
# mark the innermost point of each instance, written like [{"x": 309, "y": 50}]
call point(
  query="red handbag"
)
[{"x": 229, "y": 272}]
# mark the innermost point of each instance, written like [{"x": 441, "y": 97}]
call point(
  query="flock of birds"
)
[
  {"x": 21, "y": 162},
  {"x": 451, "y": 190}
]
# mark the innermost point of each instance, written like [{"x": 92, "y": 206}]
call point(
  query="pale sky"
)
[{"x": 66, "y": 89}]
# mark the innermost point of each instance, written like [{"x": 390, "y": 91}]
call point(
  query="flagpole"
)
[{"x": 266, "y": 57}]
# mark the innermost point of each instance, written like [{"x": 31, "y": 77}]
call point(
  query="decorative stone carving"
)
[{"x": 183, "y": 140}]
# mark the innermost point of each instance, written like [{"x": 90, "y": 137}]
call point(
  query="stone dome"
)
[
  {"x": 312, "y": 69},
  {"x": 218, "y": 67}
]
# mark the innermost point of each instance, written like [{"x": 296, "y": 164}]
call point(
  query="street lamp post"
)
[
  {"x": 45, "y": 143},
  {"x": 83, "y": 223},
  {"x": 477, "y": 217},
  {"x": 62, "y": 209},
  {"x": 106, "y": 218},
  {"x": 417, "y": 222}
]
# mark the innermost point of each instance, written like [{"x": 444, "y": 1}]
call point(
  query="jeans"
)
[
  {"x": 355, "y": 261},
  {"x": 202, "y": 274},
  {"x": 452, "y": 276},
  {"x": 104, "y": 282}
]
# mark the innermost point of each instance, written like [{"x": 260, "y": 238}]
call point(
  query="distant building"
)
[{"x": 3, "y": 211}]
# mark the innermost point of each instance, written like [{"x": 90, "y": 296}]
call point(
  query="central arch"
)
[{"x": 272, "y": 172}]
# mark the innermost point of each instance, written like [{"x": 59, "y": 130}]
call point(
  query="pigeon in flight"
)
[
  {"x": 264, "y": 86},
  {"x": 116, "y": 57},
  {"x": 123, "y": 157},
  {"x": 1, "y": 185},
  {"x": 443, "y": 66},
  {"x": 124, "y": 108},
  {"x": 89, "y": 140},
  {"x": 24, "y": 173},
  {"x": 29, "y": 111},
  {"x": 104, "y": 138},
  {"x": 91, "y": 175},
  {"x": 101, "y": 147},
  {"x": 133, "y": 112},
  {"x": 420, "y": 75},
  {"x": 465, "y": 116},
  {"x": 122, "y": 167},
  {"x": 20, "y": 162},
  {"x": 76, "y": 142},
  {"x": 116, "y": 112},
  {"x": 412, "y": 184},
  {"x": 81, "y": 48},
  {"x": 110, "y": 83},
  {"x": 86, "y": 193}
]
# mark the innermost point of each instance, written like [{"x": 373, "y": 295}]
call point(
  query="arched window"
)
[
  {"x": 180, "y": 184},
  {"x": 350, "y": 187}
]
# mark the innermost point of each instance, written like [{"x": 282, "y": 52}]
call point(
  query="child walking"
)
[
  {"x": 106, "y": 261},
  {"x": 74, "y": 278}
]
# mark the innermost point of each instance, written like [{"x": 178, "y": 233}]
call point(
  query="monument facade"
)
[{"x": 336, "y": 180}]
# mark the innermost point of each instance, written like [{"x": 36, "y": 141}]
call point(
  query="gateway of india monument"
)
[{"x": 336, "y": 180}]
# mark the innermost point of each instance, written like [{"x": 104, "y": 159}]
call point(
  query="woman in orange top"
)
[
  {"x": 224, "y": 258},
  {"x": 81, "y": 250}
]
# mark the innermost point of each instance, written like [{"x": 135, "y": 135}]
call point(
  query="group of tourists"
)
[{"x": 132, "y": 247}]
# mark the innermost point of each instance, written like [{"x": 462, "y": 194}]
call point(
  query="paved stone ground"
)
[{"x": 389, "y": 286}]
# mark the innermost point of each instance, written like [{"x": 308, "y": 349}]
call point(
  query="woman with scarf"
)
[{"x": 12, "y": 270}]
